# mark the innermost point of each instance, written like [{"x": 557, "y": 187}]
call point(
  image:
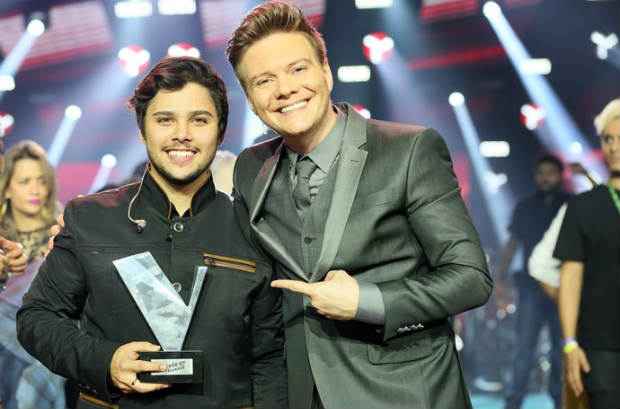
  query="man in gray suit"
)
[{"x": 373, "y": 243}]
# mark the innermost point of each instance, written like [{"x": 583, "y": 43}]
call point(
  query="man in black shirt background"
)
[
  {"x": 589, "y": 297},
  {"x": 535, "y": 309}
]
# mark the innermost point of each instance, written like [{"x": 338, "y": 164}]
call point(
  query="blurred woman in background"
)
[{"x": 28, "y": 208}]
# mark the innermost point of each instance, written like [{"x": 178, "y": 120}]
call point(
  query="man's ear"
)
[{"x": 328, "y": 76}]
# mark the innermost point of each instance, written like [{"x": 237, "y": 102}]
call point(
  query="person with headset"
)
[{"x": 175, "y": 213}]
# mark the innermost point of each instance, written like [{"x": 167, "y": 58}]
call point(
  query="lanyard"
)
[{"x": 614, "y": 197}]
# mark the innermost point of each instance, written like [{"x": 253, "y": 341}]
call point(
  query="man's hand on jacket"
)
[{"x": 337, "y": 297}]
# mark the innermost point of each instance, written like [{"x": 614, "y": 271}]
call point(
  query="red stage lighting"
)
[
  {"x": 134, "y": 59},
  {"x": 6, "y": 123},
  {"x": 378, "y": 47},
  {"x": 183, "y": 50},
  {"x": 362, "y": 110},
  {"x": 532, "y": 116}
]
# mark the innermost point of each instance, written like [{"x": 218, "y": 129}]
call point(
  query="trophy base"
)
[{"x": 183, "y": 367}]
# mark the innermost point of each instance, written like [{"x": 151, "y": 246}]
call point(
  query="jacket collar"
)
[{"x": 152, "y": 195}]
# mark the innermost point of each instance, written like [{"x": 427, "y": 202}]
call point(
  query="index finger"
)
[
  {"x": 145, "y": 366},
  {"x": 293, "y": 285}
]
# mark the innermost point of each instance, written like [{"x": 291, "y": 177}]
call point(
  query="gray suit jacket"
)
[{"x": 397, "y": 220}]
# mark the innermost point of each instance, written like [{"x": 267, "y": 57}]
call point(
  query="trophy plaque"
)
[{"x": 167, "y": 315}]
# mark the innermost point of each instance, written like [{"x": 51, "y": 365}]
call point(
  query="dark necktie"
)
[{"x": 301, "y": 194}]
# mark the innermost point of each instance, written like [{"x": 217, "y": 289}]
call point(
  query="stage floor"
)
[{"x": 491, "y": 401}]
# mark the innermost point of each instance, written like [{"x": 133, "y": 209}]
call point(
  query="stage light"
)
[
  {"x": 603, "y": 43},
  {"x": 555, "y": 128},
  {"x": 7, "y": 83},
  {"x": 36, "y": 27},
  {"x": 183, "y": 50},
  {"x": 489, "y": 181},
  {"x": 494, "y": 149},
  {"x": 354, "y": 73},
  {"x": 491, "y": 10},
  {"x": 36, "y": 23},
  {"x": 73, "y": 112},
  {"x": 536, "y": 66},
  {"x": 456, "y": 99},
  {"x": 362, "y": 110},
  {"x": 6, "y": 123},
  {"x": 378, "y": 47},
  {"x": 108, "y": 161},
  {"x": 176, "y": 7},
  {"x": 494, "y": 181},
  {"x": 532, "y": 116},
  {"x": 133, "y": 8},
  {"x": 576, "y": 148},
  {"x": 373, "y": 4},
  {"x": 134, "y": 60}
]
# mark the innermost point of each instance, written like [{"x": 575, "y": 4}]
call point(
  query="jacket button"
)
[{"x": 177, "y": 227}]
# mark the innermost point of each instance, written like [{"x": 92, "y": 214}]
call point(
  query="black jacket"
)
[{"x": 237, "y": 321}]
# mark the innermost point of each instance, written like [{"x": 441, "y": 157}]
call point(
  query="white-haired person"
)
[{"x": 589, "y": 249}]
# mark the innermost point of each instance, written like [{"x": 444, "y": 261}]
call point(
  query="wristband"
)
[{"x": 570, "y": 345}]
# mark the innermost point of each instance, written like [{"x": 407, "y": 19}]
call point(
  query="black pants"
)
[
  {"x": 603, "y": 382},
  {"x": 534, "y": 311}
]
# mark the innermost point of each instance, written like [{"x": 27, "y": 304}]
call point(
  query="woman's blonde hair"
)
[{"x": 27, "y": 150}]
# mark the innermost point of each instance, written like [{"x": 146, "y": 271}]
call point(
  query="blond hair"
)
[
  {"x": 610, "y": 113},
  {"x": 27, "y": 150}
]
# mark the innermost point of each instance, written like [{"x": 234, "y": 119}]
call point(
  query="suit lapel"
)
[
  {"x": 350, "y": 167},
  {"x": 269, "y": 239}
]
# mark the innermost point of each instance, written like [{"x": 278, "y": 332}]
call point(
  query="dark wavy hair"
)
[{"x": 172, "y": 74}]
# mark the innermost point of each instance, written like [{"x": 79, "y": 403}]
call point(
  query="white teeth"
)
[
  {"x": 293, "y": 107},
  {"x": 180, "y": 154}
]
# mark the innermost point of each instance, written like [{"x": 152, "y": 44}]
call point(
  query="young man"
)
[
  {"x": 535, "y": 310},
  {"x": 372, "y": 240},
  {"x": 588, "y": 246},
  {"x": 176, "y": 214}
]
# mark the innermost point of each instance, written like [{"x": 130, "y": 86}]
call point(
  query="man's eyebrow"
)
[
  {"x": 298, "y": 61},
  {"x": 202, "y": 112},
  {"x": 192, "y": 113},
  {"x": 252, "y": 79}
]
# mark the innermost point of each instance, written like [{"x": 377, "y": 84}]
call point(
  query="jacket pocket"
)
[
  {"x": 402, "y": 349},
  {"x": 234, "y": 263}
]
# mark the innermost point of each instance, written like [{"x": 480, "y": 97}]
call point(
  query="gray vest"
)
[{"x": 302, "y": 238}]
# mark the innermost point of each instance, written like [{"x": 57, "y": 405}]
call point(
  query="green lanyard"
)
[{"x": 614, "y": 197}]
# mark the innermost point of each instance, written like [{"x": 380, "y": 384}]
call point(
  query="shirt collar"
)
[
  {"x": 325, "y": 153},
  {"x": 153, "y": 196}
]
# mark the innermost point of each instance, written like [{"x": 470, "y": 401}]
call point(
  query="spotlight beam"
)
[
  {"x": 67, "y": 125},
  {"x": 559, "y": 130},
  {"x": 13, "y": 61},
  {"x": 108, "y": 162},
  {"x": 496, "y": 201}
]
